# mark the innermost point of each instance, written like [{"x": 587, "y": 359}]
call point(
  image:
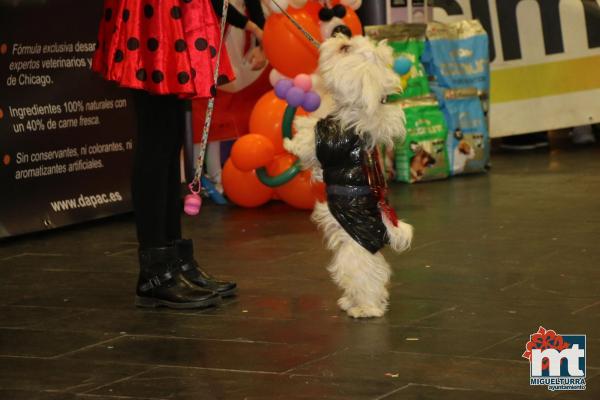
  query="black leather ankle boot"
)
[
  {"x": 192, "y": 271},
  {"x": 162, "y": 283}
]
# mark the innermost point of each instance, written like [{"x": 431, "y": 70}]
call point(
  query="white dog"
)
[{"x": 340, "y": 140}]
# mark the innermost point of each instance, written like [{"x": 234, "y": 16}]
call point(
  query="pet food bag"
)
[
  {"x": 408, "y": 43},
  {"x": 457, "y": 55},
  {"x": 468, "y": 139},
  {"x": 423, "y": 154}
]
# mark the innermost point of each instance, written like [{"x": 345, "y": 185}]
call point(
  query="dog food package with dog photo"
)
[
  {"x": 423, "y": 154},
  {"x": 457, "y": 55},
  {"x": 468, "y": 137},
  {"x": 408, "y": 43}
]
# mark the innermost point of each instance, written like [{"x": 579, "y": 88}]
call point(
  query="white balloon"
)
[
  {"x": 282, "y": 3},
  {"x": 297, "y": 3},
  {"x": 275, "y": 76},
  {"x": 353, "y": 4}
]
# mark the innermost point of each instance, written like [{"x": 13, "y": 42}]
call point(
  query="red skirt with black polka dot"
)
[{"x": 161, "y": 46}]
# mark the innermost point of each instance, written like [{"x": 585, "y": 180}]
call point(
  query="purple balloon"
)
[
  {"x": 295, "y": 96},
  {"x": 282, "y": 86},
  {"x": 312, "y": 101}
]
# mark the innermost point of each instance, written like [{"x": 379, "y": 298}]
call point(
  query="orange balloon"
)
[
  {"x": 252, "y": 151},
  {"x": 267, "y": 118},
  {"x": 286, "y": 47},
  {"x": 243, "y": 187},
  {"x": 281, "y": 163},
  {"x": 319, "y": 191},
  {"x": 312, "y": 8},
  {"x": 353, "y": 22},
  {"x": 299, "y": 192}
]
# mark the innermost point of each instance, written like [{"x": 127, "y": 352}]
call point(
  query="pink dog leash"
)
[{"x": 193, "y": 201}]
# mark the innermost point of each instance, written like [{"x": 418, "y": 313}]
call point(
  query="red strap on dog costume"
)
[{"x": 378, "y": 184}]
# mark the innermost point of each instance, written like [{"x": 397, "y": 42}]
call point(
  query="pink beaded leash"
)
[{"x": 193, "y": 201}]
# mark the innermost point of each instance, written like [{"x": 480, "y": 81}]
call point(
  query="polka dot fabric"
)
[{"x": 161, "y": 46}]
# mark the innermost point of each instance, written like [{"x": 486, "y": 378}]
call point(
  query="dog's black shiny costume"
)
[{"x": 341, "y": 154}]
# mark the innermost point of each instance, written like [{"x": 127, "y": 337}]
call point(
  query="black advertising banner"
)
[{"x": 66, "y": 136}]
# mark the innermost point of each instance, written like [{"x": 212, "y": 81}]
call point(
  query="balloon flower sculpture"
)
[{"x": 259, "y": 168}]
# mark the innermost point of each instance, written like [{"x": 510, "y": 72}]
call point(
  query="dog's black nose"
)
[{"x": 343, "y": 29}]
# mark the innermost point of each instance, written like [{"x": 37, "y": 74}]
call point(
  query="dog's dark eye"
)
[
  {"x": 345, "y": 48},
  {"x": 383, "y": 99}
]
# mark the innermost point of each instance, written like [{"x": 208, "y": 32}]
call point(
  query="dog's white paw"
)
[
  {"x": 365, "y": 312},
  {"x": 344, "y": 303}
]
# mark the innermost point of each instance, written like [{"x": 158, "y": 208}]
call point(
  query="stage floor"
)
[{"x": 494, "y": 257}]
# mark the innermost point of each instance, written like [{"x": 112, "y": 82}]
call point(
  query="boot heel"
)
[{"x": 146, "y": 302}]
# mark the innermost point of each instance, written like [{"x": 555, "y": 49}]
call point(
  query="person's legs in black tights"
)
[
  {"x": 157, "y": 205},
  {"x": 155, "y": 183},
  {"x": 174, "y": 201},
  {"x": 156, "y": 192}
]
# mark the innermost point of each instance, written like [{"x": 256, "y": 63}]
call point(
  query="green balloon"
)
[
  {"x": 288, "y": 119},
  {"x": 281, "y": 179},
  {"x": 291, "y": 172}
]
